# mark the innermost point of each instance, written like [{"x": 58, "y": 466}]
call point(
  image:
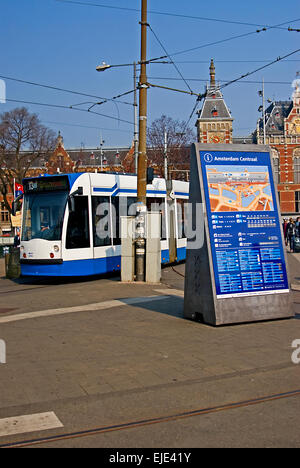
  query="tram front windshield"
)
[{"x": 43, "y": 215}]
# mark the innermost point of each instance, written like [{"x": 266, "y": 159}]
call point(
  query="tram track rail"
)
[{"x": 151, "y": 421}]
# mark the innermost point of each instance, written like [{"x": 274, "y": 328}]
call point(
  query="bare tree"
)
[
  {"x": 178, "y": 137},
  {"x": 23, "y": 139}
]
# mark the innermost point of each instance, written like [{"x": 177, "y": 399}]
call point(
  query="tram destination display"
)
[
  {"x": 243, "y": 248},
  {"x": 46, "y": 184}
]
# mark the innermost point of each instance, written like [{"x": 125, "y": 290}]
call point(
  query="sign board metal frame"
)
[{"x": 248, "y": 281}]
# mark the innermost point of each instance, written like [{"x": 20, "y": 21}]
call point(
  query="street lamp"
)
[
  {"x": 101, "y": 151},
  {"x": 103, "y": 67}
]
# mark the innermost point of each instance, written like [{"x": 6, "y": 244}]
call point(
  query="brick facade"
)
[{"x": 282, "y": 128}]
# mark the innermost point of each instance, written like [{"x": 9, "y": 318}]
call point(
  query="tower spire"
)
[
  {"x": 212, "y": 71},
  {"x": 60, "y": 140}
]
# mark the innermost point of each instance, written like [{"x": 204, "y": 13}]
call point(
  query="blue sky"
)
[{"x": 60, "y": 44}]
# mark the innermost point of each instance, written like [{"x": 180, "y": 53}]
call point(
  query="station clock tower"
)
[{"x": 214, "y": 124}]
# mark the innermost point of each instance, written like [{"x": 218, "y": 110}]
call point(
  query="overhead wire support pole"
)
[
  {"x": 166, "y": 156},
  {"x": 264, "y": 110},
  {"x": 136, "y": 129},
  {"x": 140, "y": 245}
]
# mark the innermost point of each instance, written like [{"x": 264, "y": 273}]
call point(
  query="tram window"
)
[
  {"x": 181, "y": 217},
  {"x": 131, "y": 206},
  {"x": 159, "y": 204},
  {"x": 121, "y": 206},
  {"x": 116, "y": 208},
  {"x": 101, "y": 207},
  {"x": 45, "y": 216},
  {"x": 78, "y": 232}
]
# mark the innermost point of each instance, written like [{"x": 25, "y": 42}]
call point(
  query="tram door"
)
[{"x": 78, "y": 232}]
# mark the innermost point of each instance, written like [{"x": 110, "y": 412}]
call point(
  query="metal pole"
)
[
  {"x": 264, "y": 117},
  {"x": 101, "y": 153},
  {"x": 166, "y": 156},
  {"x": 15, "y": 229},
  {"x": 142, "y": 159},
  {"x": 136, "y": 127}
]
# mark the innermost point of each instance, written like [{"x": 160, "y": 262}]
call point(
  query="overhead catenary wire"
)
[
  {"x": 221, "y": 41},
  {"x": 264, "y": 28},
  {"x": 86, "y": 126},
  {"x": 55, "y": 88},
  {"x": 173, "y": 63},
  {"x": 203, "y": 80},
  {"x": 176, "y": 15},
  {"x": 221, "y": 61},
  {"x": 191, "y": 115},
  {"x": 278, "y": 59},
  {"x": 199, "y": 96},
  {"x": 57, "y": 106}
]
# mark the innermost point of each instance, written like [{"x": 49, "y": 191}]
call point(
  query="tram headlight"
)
[{"x": 56, "y": 248}]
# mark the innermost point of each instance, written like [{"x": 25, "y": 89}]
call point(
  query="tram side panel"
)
[
  {"x": 180, "y": 191},
  {"x": 90, "y": 239}
]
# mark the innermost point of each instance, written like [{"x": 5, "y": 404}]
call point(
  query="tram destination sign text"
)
[{"x": 46, "y": 184}]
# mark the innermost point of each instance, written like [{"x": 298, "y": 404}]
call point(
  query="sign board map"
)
[{"x": 244, "y": 224}]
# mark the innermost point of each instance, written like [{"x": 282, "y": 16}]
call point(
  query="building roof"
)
[
  {"x": 275, "y": 115},
  {"x": 214, "y": 107},
  {"x": 92, "y": 156}
]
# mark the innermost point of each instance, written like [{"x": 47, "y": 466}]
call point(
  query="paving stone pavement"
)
[{"x": 142, "y": 360}]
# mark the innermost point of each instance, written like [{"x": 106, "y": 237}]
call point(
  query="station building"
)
[
  {"x": 279, "y": 128},
  {"x": 282, "y": 134}
]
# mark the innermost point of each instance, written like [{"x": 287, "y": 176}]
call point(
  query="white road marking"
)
[
  {"x": 29, "y": 423},
  {"x": 84, "y": 308}
]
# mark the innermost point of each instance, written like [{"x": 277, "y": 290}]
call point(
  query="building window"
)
[
  {"x": 297, "y": 199},
  {"x": 276, "y": 166},
  {"x": 4, "y": 214},
  {"x": 276, "y": 170},
  {"x": 297, "y": 167}
]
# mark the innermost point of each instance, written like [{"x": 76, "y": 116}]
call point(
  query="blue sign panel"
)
[{"x": 244, "y": 224}]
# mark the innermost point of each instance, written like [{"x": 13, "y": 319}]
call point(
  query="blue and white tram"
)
[{"x": 61, "y": 215}]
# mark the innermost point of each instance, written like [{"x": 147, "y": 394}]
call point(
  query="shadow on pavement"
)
[{"x": 171, "y": 305}]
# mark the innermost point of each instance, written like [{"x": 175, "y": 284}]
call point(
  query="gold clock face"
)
[{"x": 216, "y": 138}]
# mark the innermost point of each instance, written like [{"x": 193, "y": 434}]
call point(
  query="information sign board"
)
[
  {"x": 236, "y": 267},
  {"x": 244, "y": 225}
]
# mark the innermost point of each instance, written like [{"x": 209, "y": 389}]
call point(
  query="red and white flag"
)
[{"x": 19, "y": 189}]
